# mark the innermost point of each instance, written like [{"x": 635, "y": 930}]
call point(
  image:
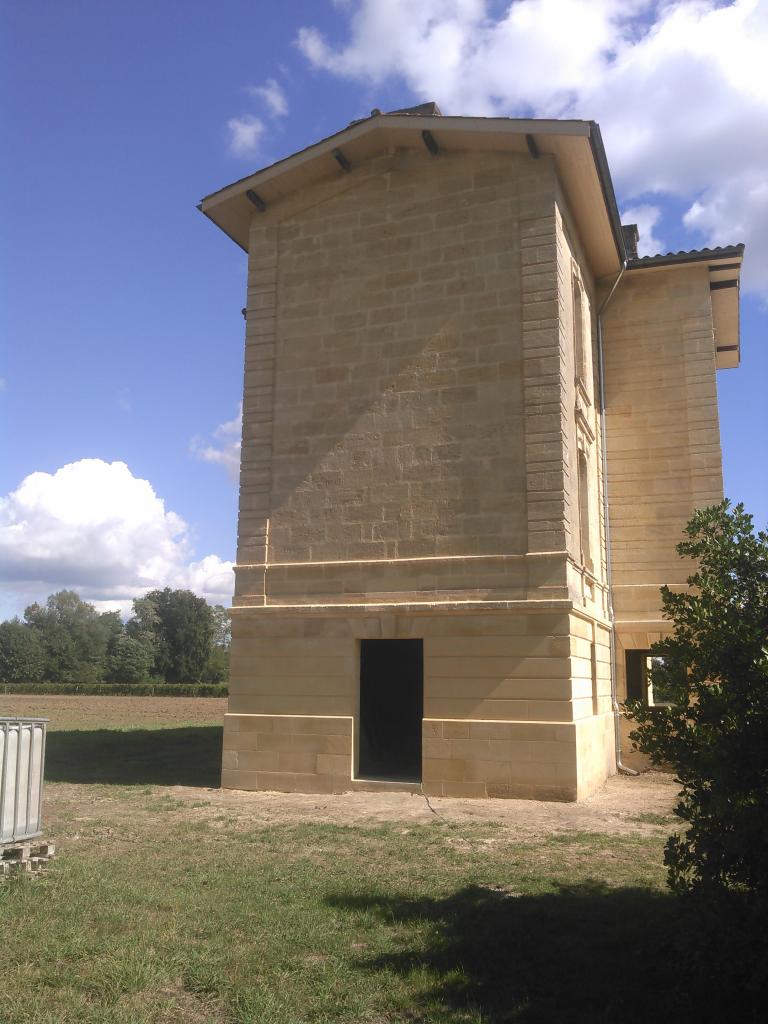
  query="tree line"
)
[{"x": 173, "y": 636}]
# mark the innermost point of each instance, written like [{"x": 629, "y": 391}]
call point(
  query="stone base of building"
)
[
  {"x": 512, "y": 760},
  {"x": 517, "y": 760},
  {"x": 516, "y": 702}
]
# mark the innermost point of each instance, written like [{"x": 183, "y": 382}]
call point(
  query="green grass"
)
[
  {"x": 187, "y": 756},
  {"x": 322, "y": 923},
  {"x": 161, "y": 909},
  {"x": 649, "y": 818}
]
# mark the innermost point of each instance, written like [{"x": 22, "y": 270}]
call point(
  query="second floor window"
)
[
  {"x": 582, "y": 336},
  {"x": 585, "y": 525}
]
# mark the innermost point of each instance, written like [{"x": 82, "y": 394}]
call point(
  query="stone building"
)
[{"x": 426, "y": 591}]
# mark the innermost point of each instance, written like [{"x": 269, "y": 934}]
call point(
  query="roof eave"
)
[
  {"x": 231, "y": 211},
  {"x": 723, "y": 252},
  {"x": 606, "y": 184}
]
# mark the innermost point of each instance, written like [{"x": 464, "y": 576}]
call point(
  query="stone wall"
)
[
  {"x": 515, "y": 703},
  {"x": 383, "y": 406},
  {"x": 411, "y": 424},
  {"x": 664, "y": 457}
]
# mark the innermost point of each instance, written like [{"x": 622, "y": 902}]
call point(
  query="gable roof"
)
[{"x": 576, "y": 147}]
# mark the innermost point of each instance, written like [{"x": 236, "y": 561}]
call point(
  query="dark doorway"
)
[{"x": 391, "y": 709}]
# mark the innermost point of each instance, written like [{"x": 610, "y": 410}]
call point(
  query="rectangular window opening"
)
[
  {"x": 578, "y": 331},
  {"x": 593, "y": 667},
  {"x": 585, "y": 525},
  {"x": 639, "y": 665}
]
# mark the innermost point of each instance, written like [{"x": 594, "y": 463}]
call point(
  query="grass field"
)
[{"x": 172, "y": 902}]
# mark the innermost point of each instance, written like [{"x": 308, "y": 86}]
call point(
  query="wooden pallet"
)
[{"x": 25, "y": 858}]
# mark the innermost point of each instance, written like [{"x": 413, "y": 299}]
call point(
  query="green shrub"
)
[
  {"x": 714, "y": 731},
  {"x": 119, "y": 689}
]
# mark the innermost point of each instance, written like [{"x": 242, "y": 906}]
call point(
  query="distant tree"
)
[
  {"x": 217, "y": 666},
  {"x": 112, "y": 625},
  {"x": 222, "y": 626},
  {"x": 22, "y": 655},
  {"x": 129, "y": 659},
  {"x": 145, "y": 627},
  {"x": 74, "y": 636},
  {"x": 181, "y": 626},
  {"x": 145, "y": 617},
  {"x": 714, "y": 671}
]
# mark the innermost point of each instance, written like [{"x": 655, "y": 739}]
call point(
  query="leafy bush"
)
[{"x": 714, "y": 671}]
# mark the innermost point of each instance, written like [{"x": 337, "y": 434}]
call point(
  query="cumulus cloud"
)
[
  {"x": 272, "y": 95},
  {"x": 646, "y": 217},
  {"x": 224, "y": 447},
  {"x": 678, "y": 86},
  {"x": 245, "y": 135},
  {"x": 94, "y": 527}
]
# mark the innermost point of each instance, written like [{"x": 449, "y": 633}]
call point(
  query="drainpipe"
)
[{"x": 622, "y": 768}]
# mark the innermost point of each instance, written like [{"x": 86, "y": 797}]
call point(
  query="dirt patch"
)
[
  {"x": 115, "y": 712},
  {"x": 625, "y": 806}
]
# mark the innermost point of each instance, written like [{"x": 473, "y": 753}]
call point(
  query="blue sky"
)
[{"x": 121, "y": 325}]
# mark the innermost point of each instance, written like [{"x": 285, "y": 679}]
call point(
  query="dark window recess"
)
[
  {"x": 391, "y": 709},
  {"x": 636, "y": 674},
  {"x": 640, "y": 679}
]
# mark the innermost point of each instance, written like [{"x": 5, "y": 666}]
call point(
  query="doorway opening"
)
[{"x": 391, "y": 709}]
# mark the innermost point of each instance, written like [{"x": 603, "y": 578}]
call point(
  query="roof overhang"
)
[
  {"x": 724, "y": 266},
  {"x": 576, "y": 147}
]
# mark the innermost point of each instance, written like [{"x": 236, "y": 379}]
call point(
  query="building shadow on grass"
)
[
  {"x": 583, "y": 953},
  {"x": 161, "y": 757}
]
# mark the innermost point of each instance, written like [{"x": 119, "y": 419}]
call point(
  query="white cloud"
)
[
  {"x": 94, "y": 527},
  {"x": 678, "y": 86},
  {"x": 245, "y": 135},
  {"x": 646, "y": 217},
  {"x": 224, "y": 448},
  {"x": 211, "y": 577},
  {"x": 741, "y": 203},
  {"x": 272, "y": 94}
]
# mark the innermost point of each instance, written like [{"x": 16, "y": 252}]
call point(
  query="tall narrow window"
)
[
  {"x": 584, "y": 518},
  {"x": 578, "y": 330},
  {"x": 593, "y": 664}
]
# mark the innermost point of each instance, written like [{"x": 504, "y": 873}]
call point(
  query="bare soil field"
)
[{"x": 115, "y": 712}]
